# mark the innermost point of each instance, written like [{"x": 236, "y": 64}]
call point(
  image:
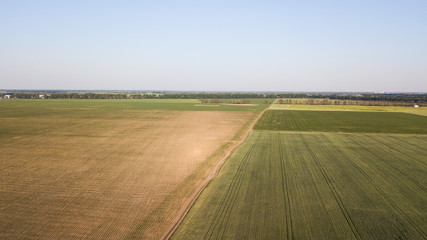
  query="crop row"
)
[
  {"x": 342, "y": 121},
  {"x": 316, "y": 186}
]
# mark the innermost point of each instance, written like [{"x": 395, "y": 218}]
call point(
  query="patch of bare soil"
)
[
  {"x": 205, "y": 105},
  {"x": 185, "y": 208},
  {"x": 238, "y": 104},
  {"x": 114, "y": 177}
]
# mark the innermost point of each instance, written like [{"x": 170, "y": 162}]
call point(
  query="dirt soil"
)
[
  {"x": 238, "y": 104},
  {"x": 114, "y": 177}
]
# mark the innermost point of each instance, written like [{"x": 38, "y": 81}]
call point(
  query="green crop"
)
[
  {"x": 342, "y": 121},
  {"x": 281, "y": 185}
]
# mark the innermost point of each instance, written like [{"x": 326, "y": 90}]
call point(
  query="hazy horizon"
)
[
  {"x": 308, "y": 46},
  {"x": 196, "y": 91}
]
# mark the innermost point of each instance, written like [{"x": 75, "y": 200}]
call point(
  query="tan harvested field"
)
[
  {"x": 206, "y": 105},
  {"x": 240, "y": 104},
  {"x": 119, "y": 174}
]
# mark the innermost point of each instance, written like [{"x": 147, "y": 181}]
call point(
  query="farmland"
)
[
  {"x": 127, "y": 169},
  {"x": 419, "y": 111},
  {"x": 343, "y": 179},
  {"x": 97, "y": 169},
  {"x": 342, "y": 121}
]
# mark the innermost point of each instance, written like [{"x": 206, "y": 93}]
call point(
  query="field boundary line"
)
[{"x": 190, "y": 202}]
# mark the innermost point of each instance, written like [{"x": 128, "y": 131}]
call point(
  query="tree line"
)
[
  {"x": 328, "y": 101},
  {"x": 420, "y": 99}
]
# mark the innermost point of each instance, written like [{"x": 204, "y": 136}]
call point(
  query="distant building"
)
[
  {"x": 415, "y": 105},
  {"x": 41, "y": 96},
  {"x": 7, "y": 96}
]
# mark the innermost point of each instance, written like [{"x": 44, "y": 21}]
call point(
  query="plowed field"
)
[{"x": 95, "y": 173}]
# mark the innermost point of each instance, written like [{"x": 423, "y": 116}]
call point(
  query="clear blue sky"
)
[{"x": 365, "y": 45}]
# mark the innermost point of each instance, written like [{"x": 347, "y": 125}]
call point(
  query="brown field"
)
[
  {"x": 109, "y": 175},
  {"x": 206, "y": 105},
  {"x": 240, "y": 104}
]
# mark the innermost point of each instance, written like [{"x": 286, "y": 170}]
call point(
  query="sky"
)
[{"x": 345, "y": 45}]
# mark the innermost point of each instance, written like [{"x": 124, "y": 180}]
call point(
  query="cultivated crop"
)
[
  {"x": 319, "y": 175},
  {"x": 342, "y": 121},
  {"x": 316, "y": 186},
  {"x": 409, "y": 109}
]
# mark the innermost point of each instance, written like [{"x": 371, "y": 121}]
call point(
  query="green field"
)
[
  {"x": 122, "y": 104},
  {"x": 31, "y": 114},
  {"x": 316, "y": 186},
  {"x": 419, "y": 111},
  {"x": 342, "y": 121},
  {"x": 319, "y": 175}
]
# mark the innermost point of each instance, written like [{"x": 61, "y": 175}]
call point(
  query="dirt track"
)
[{"x": 189, "y": 203}]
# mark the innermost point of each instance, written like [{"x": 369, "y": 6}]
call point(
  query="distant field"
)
[
  {"x": 41, "y": 105},
  {"x": 419, "y": 111},
  {"x": 342, "y": 121},
  {"x": 319, "y": 175},
  {"x": 284, "y": 185},
  {"x": 106, "y": 169}
]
